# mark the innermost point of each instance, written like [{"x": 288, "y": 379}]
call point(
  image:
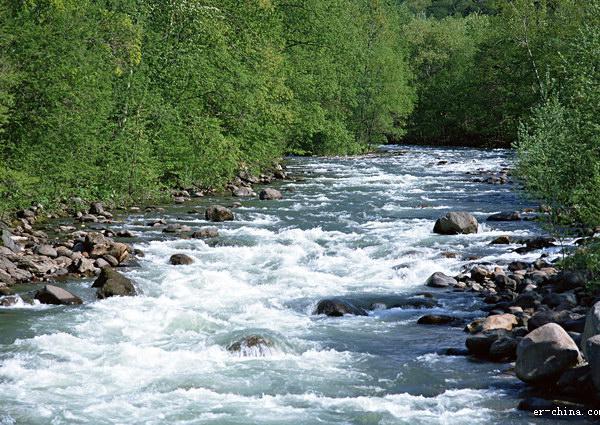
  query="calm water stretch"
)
[{"x": 358, "y": 227}]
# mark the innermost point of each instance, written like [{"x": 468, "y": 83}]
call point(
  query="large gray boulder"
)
[
  {"x": 455, "y": 223},
  {"x": 592, "y": 326},
  {"x": 440, "y": 280},
  {"x": 544, "y": 354},
  {"x": 593, "y": 357},
  {"x": 51, "y": 294},
  {"x": 218, "y": 213},
  {"x": 111, "y": 283}
]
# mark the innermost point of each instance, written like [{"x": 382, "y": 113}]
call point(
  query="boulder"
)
[
  {"x": 111, "y": 283},
  {"x": 7, "y": 241},
  {"x": 501, "y": 240},
  {"x": 499, "y": 321},
  {"x": 96, "y": 208},
  {"x": 205, "y": 233},
  {"x": 46, "y": 250},
  {"x": 544, "y": 354},
  {"x": 480, "y": 343},
  {"x": 9, "y": 301},
  {"x": 505, "y": 216},
  {"x": 593, "y": 355},
  {"x": 436, "y": 319},
  {"x": 83, "y": 266},
  {"x": 251, "y": 346},
  {"x": 180, "y": 260},
  {"x": 50, "y": 294},
  {"x": 567, "y": 280},
  {"x": 242, "y": 192},
  {"x": 218, "y": 213},
  {"x": 479, "y": 274},
  {"x": 455, "y": 223},
  {"x": 440, "y": 280},
  {"x": 269, "y": 194},
  {"x": 504, "y": 348},
  {"x": 592, "y": 326},
  {"x": 337, "y": 308}
]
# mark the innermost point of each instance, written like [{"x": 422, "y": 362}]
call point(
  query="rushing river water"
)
[{"x": 360, "y": 227}]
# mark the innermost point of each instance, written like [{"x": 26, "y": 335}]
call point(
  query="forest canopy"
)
[{"x": 121, "y": 99}]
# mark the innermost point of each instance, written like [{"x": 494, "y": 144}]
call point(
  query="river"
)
[{"x": 358, "y": 227}]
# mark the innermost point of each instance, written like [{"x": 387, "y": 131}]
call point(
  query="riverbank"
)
[{"x": 225, "y": 334}]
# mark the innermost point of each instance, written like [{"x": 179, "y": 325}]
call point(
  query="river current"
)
[{"x": 359, "y": 227}]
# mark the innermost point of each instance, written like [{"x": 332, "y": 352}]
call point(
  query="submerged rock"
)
[
  {"x": 252, "y": 346},
  {"x": 205, "y": 233},
  {"x": 180, "y": 260},
  {"x": 218, "y": 213},
  {"x": 505, "y": 216},
  {"x": 455, "y": 223},
  {"x": 337, "y": 308},
  {"x": 436, "y": 319},
  {"x": 50, "y": 294},
  {"x": 111, "y": 283}
]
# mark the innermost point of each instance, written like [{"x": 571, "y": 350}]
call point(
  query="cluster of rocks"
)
[
  {"x": 28, "y": 255},
  {"x": 491, "y": 177},
  {"x": 539, "y": 317}
]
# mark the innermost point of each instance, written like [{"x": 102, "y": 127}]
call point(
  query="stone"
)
[
  {"x": 205, "y": 233},
  {"x": 499, "y": 321},
  {"x": 180, "y": 259},
  {"x": 567, "y": 280},
  {"x": 440, "y": 280},
  {"x": 101, "y": 263},
  {"x": 251, "y": 346},
  {"x": 63, "y": 251},
  {"x": 592, "y": 326},
  {"x": 501, "y": 240},
  {"x": 576, "y": 381},
  {"x": 83, "y": 266},
  {"x": 337, "y": 308},
  {"x": 436, "y": 319},
  {"x": 242, "y": 192},
  {"x": 218, "y": 213},
  {"x": 455, "y": 223},
  {"x": 480, "y": 343},
  {"x": 8, "y": 242},
  {"x": 593, "y": 356},
  {"x": 46, "y": 250},
  {"x": 504, "y": 349},
  {"x": 111, "y": 283},
  {"x": 51, "y": 294},
  {"x": 479, "y": 274},
  {"x": 505, "y": 216},
  {"x": 9, "y": 301},
  {"x": 269, "y": 194},
  {"x": 544, "y": 354},
  {"x": 96, "y": 208}
]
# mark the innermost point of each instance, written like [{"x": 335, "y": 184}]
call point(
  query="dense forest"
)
[{"x": 122, "y": 99}]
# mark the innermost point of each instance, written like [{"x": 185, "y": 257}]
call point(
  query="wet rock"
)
[
  {"x": 177, "y": 228},
  {"x": 124, "y": 234},
  {"x": 440, "y": 280},
  {"x": 505, "y": 216},
  {"x": 543, "y": 317},
  {"x": 455, "y": 223},
  {"x": 413, "y": 303},
  {"x": 6, "y": 278},
  {"x": 544, "y": 354},
  {"x": 518, "y": 265},
  {"x": 242, "y": 192},
  {"x": 111, "y": 283},
  {"x": 9, "y": 301},
  {"x": 454, "y": 352},
  {"x": 218, "y": 213},
  {"x": 592, "y": 326},
  {"x": 528, "y": 299},
  {"x": 252, "y": 346},
  {"x": 480, "y": 343},
  {"x": 501, "y": 240},
  {"x": 46, "y": 250},
  {"x": 480, "y": 274},
  {"x": 180, "y": 259},
  {"x": 504, "y": 282},
  {"x": 576, "y": 381},
  {"x": 337, "y": 308},
  {"x": 504, "y": 349},
  {"x": 101, "y": 263},
  {"x": 269, "y": 194},
  {"x": 567, "y": 280},
  {"x": 436, "y": 319},
  {"x": 51, "y": 294},
  {"x": 205, "y": 233}
]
